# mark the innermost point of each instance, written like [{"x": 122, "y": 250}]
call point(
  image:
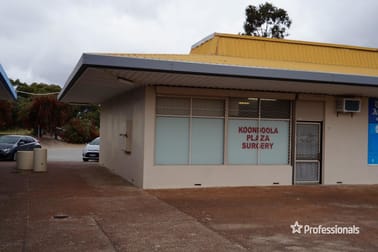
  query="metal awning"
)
[
  {"x": 97, "y": 78},
  {"x": 7, "y": 91}
]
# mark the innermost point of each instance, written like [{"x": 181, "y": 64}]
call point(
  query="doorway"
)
[{"x": 308, "y": 158}]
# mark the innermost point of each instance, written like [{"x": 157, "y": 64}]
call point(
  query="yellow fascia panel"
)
[
  {"x": 288, "y": 50},
  {"x": 208, "y": 47}
]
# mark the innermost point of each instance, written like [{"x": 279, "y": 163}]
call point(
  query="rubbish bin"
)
[
  {"x": 40, "y": 160},
  {"x": 24, "y": 160}
]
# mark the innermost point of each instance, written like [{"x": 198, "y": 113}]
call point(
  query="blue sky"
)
[{"x": 42, "y": 40}]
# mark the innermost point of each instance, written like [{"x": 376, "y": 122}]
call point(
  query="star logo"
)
[{"x": 296, "y": 228}]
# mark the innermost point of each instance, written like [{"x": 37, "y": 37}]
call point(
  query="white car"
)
[{"x": 92, "y": 150}]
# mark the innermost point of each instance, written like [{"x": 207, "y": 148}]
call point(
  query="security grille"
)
[
  {"x": 307, "y": 172},
  {"x": 308, "y": 157}
]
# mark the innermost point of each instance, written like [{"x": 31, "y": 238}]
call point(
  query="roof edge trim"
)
[
  {"x": 8, "y": 84},
  {"x": 204, "y": 40},
  {"x": 75, "y": 74},
  {"x": 285, "y": 41}
]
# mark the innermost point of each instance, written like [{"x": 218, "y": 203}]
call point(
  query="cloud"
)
[
  {"x": 342, "y": 22},
  {"x": 41, "y": 40}
]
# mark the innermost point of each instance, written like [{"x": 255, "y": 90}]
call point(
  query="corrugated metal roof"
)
[
  {"x": 238, "y": 50},
  {"x": 284, "y": 51},
  {"x": 257, "y": 62}
]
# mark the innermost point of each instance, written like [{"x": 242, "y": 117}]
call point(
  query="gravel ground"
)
[{"x": 260, "y": 218}]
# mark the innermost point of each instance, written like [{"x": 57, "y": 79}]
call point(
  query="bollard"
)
[
  {"x": 40, "y": 160},
  {"x": 24, "y": 160}
]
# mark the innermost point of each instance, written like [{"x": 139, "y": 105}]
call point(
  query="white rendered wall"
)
[
  {"x": 345, "y": 140},
  {"x": 114, "y": 115},
  {"x": 346, "y": 147}
]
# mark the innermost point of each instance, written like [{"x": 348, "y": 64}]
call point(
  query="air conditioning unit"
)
[{"x": 348, "y": 105}]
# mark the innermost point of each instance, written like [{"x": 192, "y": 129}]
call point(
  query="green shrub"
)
[{"x": 79, "y": 131}]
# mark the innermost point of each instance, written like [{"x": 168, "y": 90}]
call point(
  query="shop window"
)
[
  {"x": 190, "y": 131},
  {"x": 208, "y": 107},
  {"x": 196, "y": 137},
  {"x": 239, "y": 150},
  {"x": 173, "y": 106},
  {"x": 243, "y": 107},
  {"x": 263, "y": 139},
  {"x": 207, "y": 131},
  {"x": 172, "y": 140},
  {"x": 275, "y": 142},
  {"x": 277, "y": 109},
  {"x": 207, "y": 141}
]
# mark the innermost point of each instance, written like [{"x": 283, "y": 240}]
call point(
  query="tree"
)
[
  {"x": 6, "y": 118},
  {"x": 46, "y": 113},
  {"x": 37, "y": 108},
  {"x": 266, "y": 21},
  {"x": 26, "y": 91}
]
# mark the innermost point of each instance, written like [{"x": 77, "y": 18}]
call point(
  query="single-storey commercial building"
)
[
  {"x": 7, "y": 91},
  {"x": 236, "y": 111}
]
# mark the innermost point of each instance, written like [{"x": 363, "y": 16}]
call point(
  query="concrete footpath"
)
[{"x": 82, "y": 207}]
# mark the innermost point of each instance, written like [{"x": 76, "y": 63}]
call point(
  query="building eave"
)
[{"x": 320, "y": 79}]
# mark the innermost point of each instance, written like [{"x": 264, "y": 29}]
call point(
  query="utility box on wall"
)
[
  {"x": 128, "y": 136},
  {"x": 348, "y": 105}
]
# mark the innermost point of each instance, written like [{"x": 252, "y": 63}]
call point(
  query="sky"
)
[{"x": 42, "y": 40}]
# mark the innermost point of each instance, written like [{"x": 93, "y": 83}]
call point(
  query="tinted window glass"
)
[
  {"x": 278, "y": 109},
  {"x": 207, "y": 107},
  {"x": 243, "y": 107},
  {"x": 172, "y": 106}
]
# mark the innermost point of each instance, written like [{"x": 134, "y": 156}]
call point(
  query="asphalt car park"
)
[
  {"x": 56, "y": 151},
  {"x": 65, "y": 154},
  {"x": 78, "y": 206}
]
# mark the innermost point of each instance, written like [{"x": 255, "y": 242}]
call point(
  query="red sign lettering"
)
[{"x": 257, "y": 137}]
